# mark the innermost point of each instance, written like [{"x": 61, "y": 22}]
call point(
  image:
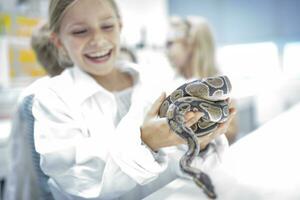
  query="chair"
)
[{"x": 26, "y": 179}]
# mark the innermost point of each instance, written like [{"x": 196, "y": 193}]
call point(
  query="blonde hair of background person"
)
[
  {"x": 203, "y": 51},
  {"x": 192, "y": 52}
]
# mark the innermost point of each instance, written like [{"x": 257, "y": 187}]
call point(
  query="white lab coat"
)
[{"x": 83, "y": 153}]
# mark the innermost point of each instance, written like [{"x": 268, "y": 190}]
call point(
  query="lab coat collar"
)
[{"x": 86, "y": 86}]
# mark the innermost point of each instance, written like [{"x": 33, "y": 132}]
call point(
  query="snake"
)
[{"x": 207, "y": 95}]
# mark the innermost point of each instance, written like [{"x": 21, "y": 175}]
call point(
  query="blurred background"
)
[{"x": 258, "y": 47}]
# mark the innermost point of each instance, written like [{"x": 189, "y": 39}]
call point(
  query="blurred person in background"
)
[
  {"x": 22, "y": 180},
  {"x": 191, "y": 47},
  {"x": 192, "y": 53}
]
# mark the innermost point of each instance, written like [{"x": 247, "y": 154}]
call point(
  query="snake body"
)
[{"x": 209, "y": 97}]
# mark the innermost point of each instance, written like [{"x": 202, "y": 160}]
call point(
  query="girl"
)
[
  {"x": 191, "y": 47},
  {"x": 91, "y": 132}
]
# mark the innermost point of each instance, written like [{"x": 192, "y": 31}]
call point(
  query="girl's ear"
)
[
  {"x": 63, "y": 57},
  {"x": 55, "y": 40}
]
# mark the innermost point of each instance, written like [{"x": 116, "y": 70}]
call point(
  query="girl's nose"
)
[{"x": 98, "y": 40}]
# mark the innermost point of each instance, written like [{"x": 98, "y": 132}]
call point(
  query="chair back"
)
[{"x": 27, "y": 117}]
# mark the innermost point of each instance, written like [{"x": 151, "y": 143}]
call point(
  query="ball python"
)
[{"x": 208, "y": 96}]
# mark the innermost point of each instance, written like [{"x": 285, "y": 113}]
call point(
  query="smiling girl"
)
[{"x": 92, "y": 131}]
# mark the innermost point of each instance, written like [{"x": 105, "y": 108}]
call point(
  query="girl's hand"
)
[
  {"x": 155, "y": 131},
  {"x": 222, "y": 128}
]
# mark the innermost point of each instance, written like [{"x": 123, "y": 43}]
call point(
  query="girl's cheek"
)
[{"x": 74, "y": 44}]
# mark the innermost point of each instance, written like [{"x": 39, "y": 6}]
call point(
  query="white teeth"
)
[{"x": 99, "y": 54}]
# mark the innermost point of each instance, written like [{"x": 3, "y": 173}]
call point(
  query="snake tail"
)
[{"x": 201, "y": 179}]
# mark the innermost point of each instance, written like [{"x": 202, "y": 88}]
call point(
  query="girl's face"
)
[
  {"x": 177, "y": 52},
  {"x": 90, "y": 35},
  {"x": 177, "y": 47}
]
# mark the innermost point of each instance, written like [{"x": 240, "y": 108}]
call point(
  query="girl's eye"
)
[
  {"x": 79, "y": 32},
  {"x": 107, "y": 27}
]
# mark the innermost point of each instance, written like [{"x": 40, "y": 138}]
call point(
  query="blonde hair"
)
[
  {"x": 45, "y": 51},
  {"x": 57, "y": 9},
  {"x": 200, "y": 43},
  {"x": 201, "y": 38}
]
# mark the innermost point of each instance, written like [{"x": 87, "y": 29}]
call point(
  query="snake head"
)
[{"x": 204, "y": 182}]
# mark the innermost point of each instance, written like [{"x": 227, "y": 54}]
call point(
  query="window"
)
[
  {"x": 291, "y": 60},
  {"x": 254, "y": 60},
  {"x": 251, "y": 67}
]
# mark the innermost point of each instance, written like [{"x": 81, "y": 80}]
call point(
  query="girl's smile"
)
[{"x": 99, "y": 57}]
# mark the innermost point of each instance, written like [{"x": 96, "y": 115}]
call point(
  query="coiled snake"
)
[{"x": 209, "y": 97}]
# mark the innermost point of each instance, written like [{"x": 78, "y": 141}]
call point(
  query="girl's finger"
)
[
  {"x": 193, "y": 118},
  {"x": 156, "y": 105}
]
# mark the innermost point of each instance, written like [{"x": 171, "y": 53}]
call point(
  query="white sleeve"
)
[
  {"x": 137, "y": 160},
  {"x": 207, "y": 160},
  {"x": 77, "y": 163}
]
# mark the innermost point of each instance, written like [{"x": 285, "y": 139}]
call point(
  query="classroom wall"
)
[
  {"x": 236, "y": 21},
  {"x": 144, "y": 21}
]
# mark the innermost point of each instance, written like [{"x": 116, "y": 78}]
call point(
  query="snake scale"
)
[{"x": 208, "y": 96}]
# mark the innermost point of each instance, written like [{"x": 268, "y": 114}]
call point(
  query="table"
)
[{"x": 264, "y": 165}]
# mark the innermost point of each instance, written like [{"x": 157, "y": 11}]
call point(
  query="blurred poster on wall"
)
[
  {"x": 23, "y": 62},
  {"x": 19, "y": 58},
  {"x": 5, "y": 23}
]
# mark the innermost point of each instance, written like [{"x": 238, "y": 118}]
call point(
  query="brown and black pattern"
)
[{"x": 208, "y": 96}]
